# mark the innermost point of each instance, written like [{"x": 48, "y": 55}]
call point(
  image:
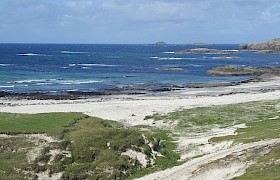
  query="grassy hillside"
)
[{"x": 86, "y": 147}]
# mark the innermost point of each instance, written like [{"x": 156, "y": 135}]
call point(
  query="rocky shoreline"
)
[
  {"x": 247, "y": 71},
  {"x": 268, "y": 47},
  {"x": 125, "y": 90}
]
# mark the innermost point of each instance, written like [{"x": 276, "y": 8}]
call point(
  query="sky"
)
[{"x": 138, "y": 21}]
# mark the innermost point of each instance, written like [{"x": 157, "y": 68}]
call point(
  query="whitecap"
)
[
  {"x": 195, "y": 65},
  {"x": 7, "y": 86},
  {"x": 73, "y": 52},
  {"x": 226, "y": 57},
  {"x": 100, "y": 65},
  {"x": 168, "y": 52},
  {"x": 5, "y": 64},
  {"x": 175, "y": 58},
  {"x": 78, "y": 82},
  {"x": 43, "y": 83},
  {"x": 171, "y": 58},
  {"x": 27, "y": 54},
  {"x": 31, "y": 54},
  {"x": 72, "y": 65},
  {"x": 29, "y": 81},
  {"x": 72, "y": 90}
]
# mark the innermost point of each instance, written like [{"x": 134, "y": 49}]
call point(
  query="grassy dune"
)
[
  {"x": 262, "y": 119},
  {"x": 95, "y": 145}
]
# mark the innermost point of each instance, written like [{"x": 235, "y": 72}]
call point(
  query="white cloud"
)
[{"x": 139, "y": 20}]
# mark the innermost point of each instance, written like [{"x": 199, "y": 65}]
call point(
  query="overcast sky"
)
[{"x": 139, "y": 21}]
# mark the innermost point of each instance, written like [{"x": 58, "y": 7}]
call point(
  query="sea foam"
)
[
  {"x": 171, "y": 58},
  {"x": 5, "y": 64},
  {"x": 100, "y": 65},
  {"x": 73, "y": 52},
  {"x": 31, "y": 54}
]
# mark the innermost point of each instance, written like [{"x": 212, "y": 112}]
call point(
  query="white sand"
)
[{"x": 131, "y": 109}]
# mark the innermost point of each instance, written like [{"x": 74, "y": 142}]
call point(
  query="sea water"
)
[{"x": 95, "y": 67}]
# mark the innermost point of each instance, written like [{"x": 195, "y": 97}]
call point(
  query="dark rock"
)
[
  {"x": 172, "y": 69},
  {"x": 248, "y": 71}
]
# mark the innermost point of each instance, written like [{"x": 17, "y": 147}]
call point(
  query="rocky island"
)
[
  {"x": 271, "y": 46},
  {"x": 205, "y": 51},
  {"x": 247, "y": 71},
  {"x": 160, "y": 43}
]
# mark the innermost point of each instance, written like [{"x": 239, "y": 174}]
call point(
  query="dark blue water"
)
[{"x": 58, "y": 67}]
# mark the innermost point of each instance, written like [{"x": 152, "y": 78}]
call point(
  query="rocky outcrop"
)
[
  {"x": 172, "y": 69},
  {"x": 271, "y": 46},
  {"x": 248, "y": 71},
  {"x": 199, "y": 44},
  {"x": 205, "y": 51},
  {"x": 160, "y": 43}
]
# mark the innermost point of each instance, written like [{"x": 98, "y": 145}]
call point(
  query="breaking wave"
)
[
  {"x": 73, "y": 52},
  {"x": 171, "y": 58},
  {"x": 31, "y": 54},
  {"x": 94, "y": 65}
]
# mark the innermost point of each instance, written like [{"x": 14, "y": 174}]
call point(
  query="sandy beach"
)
[{"x": 132, "y": 109}]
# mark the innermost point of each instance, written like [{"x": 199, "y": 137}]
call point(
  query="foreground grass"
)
[
  {"x": 13, "y": 158},
  {"x": 96, "y": 147},
  {"x": 265, "y": 167}
]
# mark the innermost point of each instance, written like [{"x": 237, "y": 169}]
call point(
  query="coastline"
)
[
  {"x": 131, "y": 109},
  {"x": 125, "y": 90}
]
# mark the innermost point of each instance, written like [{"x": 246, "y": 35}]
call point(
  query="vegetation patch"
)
[
  {"x": 54, "y": 124},
  {"x": 97, "y": 147},
  {"x": 247, "y": 71},
  {"x": 203, "y": 118},
  {"x": 87, "y": 147},
  {"x": 13, "y": 158},
  {"x": 264, "y": 167}
]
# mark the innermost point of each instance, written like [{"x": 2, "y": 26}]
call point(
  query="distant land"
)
[
  {"x": 199, "y": 44},
  {"x": 271, "y": 46},
  {"x": 160, "y": 43}
]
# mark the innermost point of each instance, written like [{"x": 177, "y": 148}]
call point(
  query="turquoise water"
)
[{"x": 77, "y": 67}]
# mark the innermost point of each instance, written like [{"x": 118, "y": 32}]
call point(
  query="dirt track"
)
[{"x": 185, "y": 170}]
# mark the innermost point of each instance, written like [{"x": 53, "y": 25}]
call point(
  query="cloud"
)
[{"x": 125, "y": 21}]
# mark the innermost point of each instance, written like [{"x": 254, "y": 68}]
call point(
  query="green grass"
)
[
  {"x": 170, "y": 158},
  {"x": 51, "y": 123},
  {"x": 202, "y": 118},
  {"x": 255, "y": 131},
  {"x": 13, "y": 158},
  {"x": 262, "y": 119},
  {"x": 266, "y": 167},
  {"x": 96, "y": 146}
]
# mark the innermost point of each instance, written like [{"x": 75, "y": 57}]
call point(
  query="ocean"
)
[{"x": 96, "y": 67}]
